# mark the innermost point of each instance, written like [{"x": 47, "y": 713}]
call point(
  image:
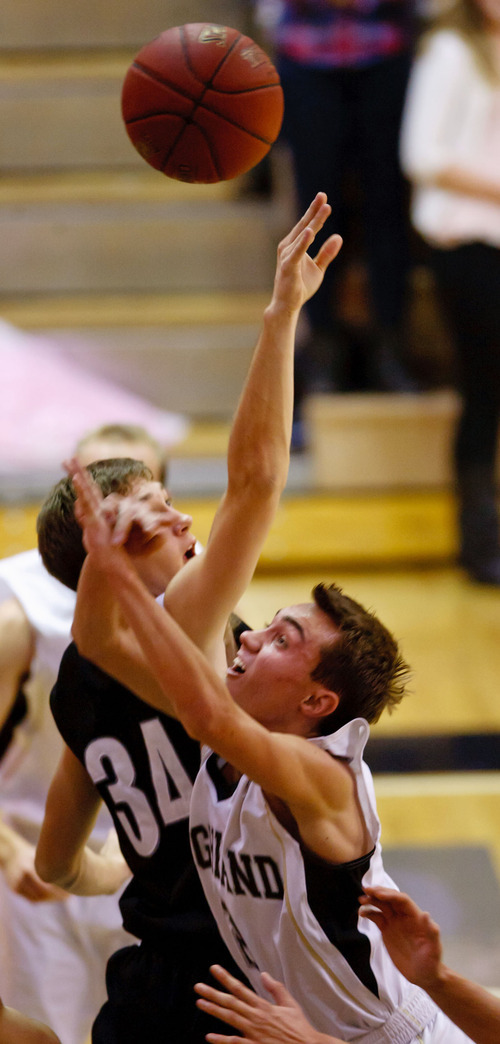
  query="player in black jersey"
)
[{"x": 138, "y": 760}]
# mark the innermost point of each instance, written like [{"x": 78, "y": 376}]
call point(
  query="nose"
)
[
  {"x": 251, "y": 640},
  {"x": 182, "y": 523}
]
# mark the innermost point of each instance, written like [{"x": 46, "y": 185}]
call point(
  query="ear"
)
[{"x": 320, "y": 703}]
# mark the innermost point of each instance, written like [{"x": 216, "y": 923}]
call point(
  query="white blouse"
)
[{"x": 451, "y": 119}]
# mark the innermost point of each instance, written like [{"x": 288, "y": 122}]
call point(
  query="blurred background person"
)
[
  {"x": 344, "y": 68},
  {"x": 53, "y": 947},
  {"x": 451, "y": 152}
]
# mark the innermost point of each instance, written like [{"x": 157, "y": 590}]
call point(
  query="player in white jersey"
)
[
  {"x": 53, "y": 947},
  {"x": 283, "y": 821}
]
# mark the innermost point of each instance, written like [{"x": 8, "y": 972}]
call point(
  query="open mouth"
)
[
  {"x": 191, "y": 551},
  {"x": 238, "y": 666}
]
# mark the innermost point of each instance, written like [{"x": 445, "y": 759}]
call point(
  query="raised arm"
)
[
  {"x": 204, "y": 592},
  {"x": 414, "y": 944},
  {"x": 202, "y": 596}
]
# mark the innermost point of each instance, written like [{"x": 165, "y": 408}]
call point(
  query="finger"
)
[
  {"x": 35, "y": 891},
  {"x": 234, "y": 985},
  {"x": 387, "y": 894},
  {"x": 317, "y": 220},
  {"x": 71, "y": 465},
  {"x": 227, "y": 1015},
  {"x": 218, "y": 1038},
  {"x": 124, "y": 520},
  {"x": 390, "y": 900},
  {"x": 372, "y": 914},
  {"x": 79, "y": 476},
  {"x": 278, "y": 991},
  {"x": 299, "y": 247},
  {"x": 328, "y": 251},
  {"x": 87, "y": 490},
  {"x": 310, "y": 214},
  {"x": 212, "y": 996}
]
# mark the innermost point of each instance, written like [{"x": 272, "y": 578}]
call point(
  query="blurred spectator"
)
[
  {"x": 344, "y": 68},
  {"x": 451, "y": 151}
]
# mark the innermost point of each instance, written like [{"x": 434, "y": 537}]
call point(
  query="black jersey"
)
[{"x": 143, "y": 764}]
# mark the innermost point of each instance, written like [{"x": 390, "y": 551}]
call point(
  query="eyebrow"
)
[{"x": 294, "y": 623}]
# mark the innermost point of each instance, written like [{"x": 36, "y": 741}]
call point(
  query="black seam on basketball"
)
[
  {"x": 175, "y": 87},
  {"x": 185, "y": 51},
  {"x": 164, "y": 83},
  {"x": 218, "y": 171},
  {"x": 198, "y": 105},
  {"x": 187, "y": 121}
]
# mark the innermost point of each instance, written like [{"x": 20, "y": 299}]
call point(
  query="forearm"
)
[
  {"x": 472, "y": 1008},
  {"x": 469, "y": 183},
  {"x": 188, "y": 687},
  {"x": 101, "y": 633},
  {"x": 93, "y": 874},
  {"x": 96, "y": 615},
  {"x": 260, "y": 437}
]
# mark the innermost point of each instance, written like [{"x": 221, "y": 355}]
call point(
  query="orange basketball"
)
[{"x": 202, "y": 103}]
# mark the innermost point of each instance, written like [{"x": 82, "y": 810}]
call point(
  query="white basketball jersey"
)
[
  {"x": 28, "y": 765},
  {"x": 273, "y": 905}
]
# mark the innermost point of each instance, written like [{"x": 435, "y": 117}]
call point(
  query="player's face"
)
[
  {"x": 271, "y": 675},
  {"x": 105, "y": 448},
  {"x": 160, "y": 558}
]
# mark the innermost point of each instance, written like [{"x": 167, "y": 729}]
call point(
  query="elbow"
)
[
  {"x": 262, "y": 484},
  {"x": 53, "y": 873}
]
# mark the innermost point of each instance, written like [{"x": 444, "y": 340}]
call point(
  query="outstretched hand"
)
[
  {"x": 298, "y": 275},
  {"x": 260, "y": 1021},
  {"x": 411, "y": 937},
  {"x": 116, "y": 520},
  {"x": 96, "y": 521}
]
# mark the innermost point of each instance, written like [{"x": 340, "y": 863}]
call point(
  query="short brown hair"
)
[
  {"x": 362, "y": 664},
  {"x": 59, "y": 534}
]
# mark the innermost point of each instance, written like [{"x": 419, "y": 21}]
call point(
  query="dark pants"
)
[
  {"x": 349, "y": 119},
  {"x": 468, "y": 282},
  {"x": 468, "y": 287},
  {"x": 151, "y": 997}
]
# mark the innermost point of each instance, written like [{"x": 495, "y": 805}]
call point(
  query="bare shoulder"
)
[
  {"x": 12, "y": 615},
  {"x": 16, "y": 635}
]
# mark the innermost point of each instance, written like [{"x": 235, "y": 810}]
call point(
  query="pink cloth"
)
[{"x": 48, "y": 401}]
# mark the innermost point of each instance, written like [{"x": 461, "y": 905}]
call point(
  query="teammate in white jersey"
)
[
  {"x": 41, "y": 927},
  {"x": 284, "y": 827}
]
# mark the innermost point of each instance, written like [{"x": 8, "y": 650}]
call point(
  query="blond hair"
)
[{"x": 467, "y": 19}]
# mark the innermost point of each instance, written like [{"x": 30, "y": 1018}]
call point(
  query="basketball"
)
[{"x": 202, "y": 103}]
